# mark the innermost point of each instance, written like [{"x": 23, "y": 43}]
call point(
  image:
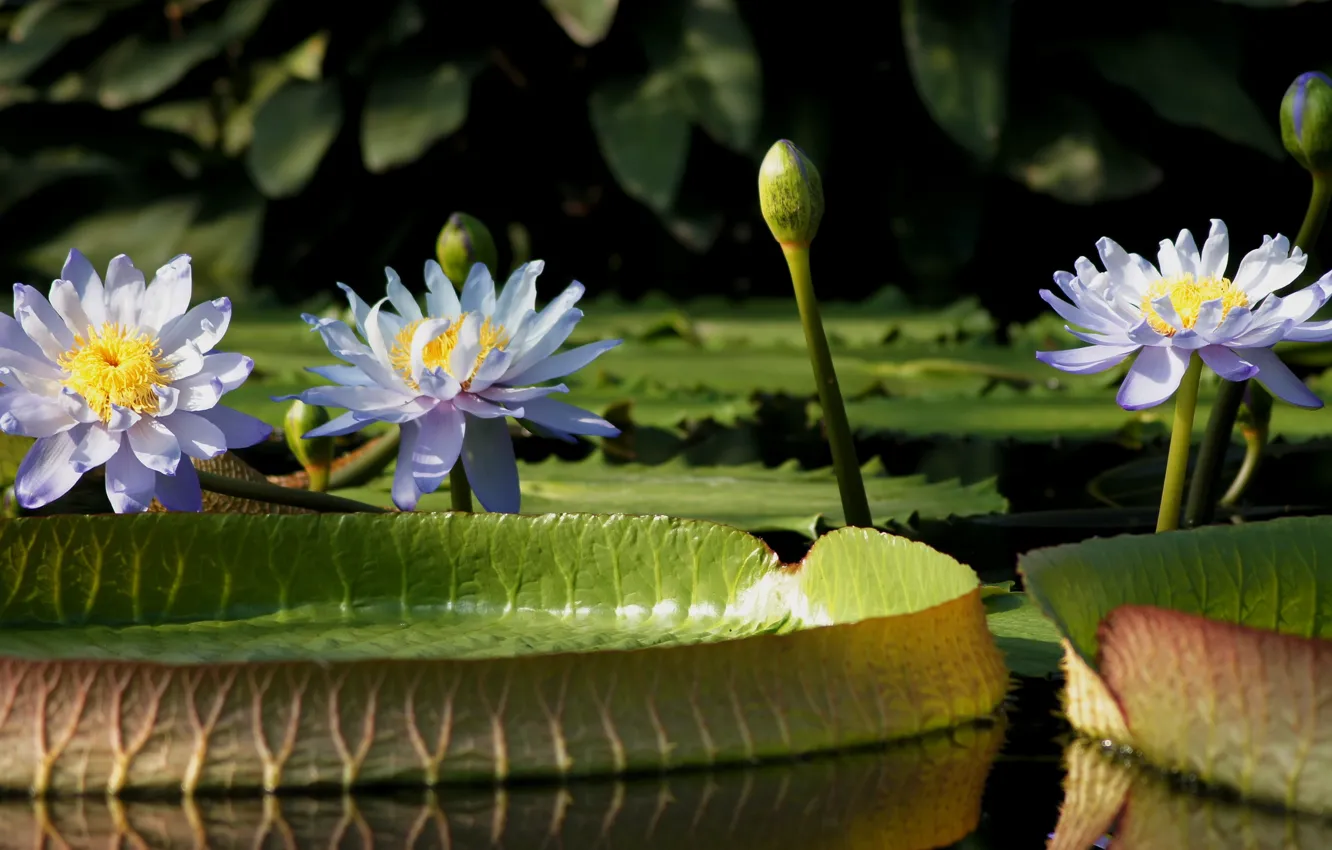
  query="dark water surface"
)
[{"x": 991, "y": 786}]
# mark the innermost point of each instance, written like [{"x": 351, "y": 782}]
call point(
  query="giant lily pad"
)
[
  {"x": 912, "y": 796},
  {"x": 278, "y": 652},
  {"x": 1207, "y": 651}
]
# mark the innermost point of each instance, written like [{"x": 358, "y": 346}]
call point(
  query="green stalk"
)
[
  {"x": 460, "y": 490},
  {"x": 1177, "y": 462},
  {"x": 262, "y": 491},
  {"x": 855, "y": 505},
  {"x": 1221, "y": 423}
]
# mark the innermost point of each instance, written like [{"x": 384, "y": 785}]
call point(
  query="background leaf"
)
[
  {"x": 643, "y": 131},
  {"x": 720, "y": 68},
  {"x": 958, "y": 54},
  {"x": 292, "y": 131},
  {"x": 408, "y": 110},
  {"x": 586, "y": 21}
]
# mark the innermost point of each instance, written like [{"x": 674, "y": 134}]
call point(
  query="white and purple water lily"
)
[
  {"x": 118, "y": 373},
  {"x": 451, "y": 375},
  {"x": 1188, "y": 306}
]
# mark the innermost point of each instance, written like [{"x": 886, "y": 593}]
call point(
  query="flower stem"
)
[
  {"x": 1221, "y": 422},
  {"x": 460, "y": 490},
  {"x": 1253, "y": 454},
  {"x": 1177, "y": 462},
  {"x": 262, "y": 491},
  {"x": 855, "y": 505}
]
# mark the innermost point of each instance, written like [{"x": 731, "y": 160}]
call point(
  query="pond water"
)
[{"x": 994, "y": 785}]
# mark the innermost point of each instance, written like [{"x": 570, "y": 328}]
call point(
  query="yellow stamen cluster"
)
[
  {"x": 115, "y": 365},
  {"x": 436, "y": 353},
  {"x": 1187, "y": 295}
]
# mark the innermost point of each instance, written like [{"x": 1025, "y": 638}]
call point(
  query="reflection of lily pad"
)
[
  {"x": 750, "y": 497},
  {"x": 1207, "y": 651},
  {"x": 916, "y": 795},
  {"x": 1146, "y": 813},
  {"x": 291, "y": 651}
]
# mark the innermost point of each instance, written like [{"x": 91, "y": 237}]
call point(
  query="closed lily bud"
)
[
  {"x": 315, "y": 454},
  {"x": 463, "y": 243},
  {"x": 790, "y": 194},
  {"x": 1306, "y": 120}
]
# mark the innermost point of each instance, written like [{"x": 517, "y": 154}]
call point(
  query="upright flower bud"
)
[
  {"x": 791, "y": 194},
  {"x": 315, "y": 455},
  {"x": 463, "y": 243},
  {"x": 1306, "y": 120}
]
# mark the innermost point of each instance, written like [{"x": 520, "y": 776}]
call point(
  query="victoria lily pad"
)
[
  {"x": 222, "y": 651},
  {"x": 1206, "y": 651}
]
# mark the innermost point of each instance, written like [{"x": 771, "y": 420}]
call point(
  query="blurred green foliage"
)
[{"x": 294, "y": 142}]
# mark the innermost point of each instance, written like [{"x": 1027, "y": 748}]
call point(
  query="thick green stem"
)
[
  {"x": 262, "y": 491},
  {"x": 1221, "y": 422},
  {"x": 460, "y": 491},
  {"x": 1177, "y": 462},
  {"x": 855, "y": 505},
  {"x": 1253, "y": 455}
]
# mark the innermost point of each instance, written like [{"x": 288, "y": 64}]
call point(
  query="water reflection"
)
[
  {"x": 1146, "y": 813},
  {"x": 913, "y": 796}
]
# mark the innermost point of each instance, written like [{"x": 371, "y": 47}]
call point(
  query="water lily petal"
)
[
  {"x": 229, "y": 368},
  {"x": 481, "y": 408},
  {"x": 41, "y": 322},
  {"x": 197, "y": 392},
  {"x": 564, "y": 363},
  {"x": 154, "y": 445},
  {"x": 567, "y": 418},
  {"x": 487, "y": 455},
  {"x": 1076, "y": 316},
  {"x": 400, "y": 298},
  {"x": 511, "y": 395},
  {"x": 1278, "y": 379},
  {"x": 129, "y": 484},
  {"x": 404, "y": 492},
  {"x": 239, "y": 430},
  {"x": 345, "y": 423},
  {"x": 88, "y": 284},
  {"x": 1311, "y": 332},
  {"x": 1262, "y": 337},
  {"x": 1088, "y": 360},
  {"x": 441, "y": 299},
  {"x": 1155, "y": 376},
  {"x": 344, "y": 345},
  {"x": 462, "y": 359},
  {"x": 93, "y": 446},
  {"x": 490, "y": 370},
  {"x": 438, "y": 444},
  {"x": 168, "y": 296},
  {"x": 478, "y": 293},
  {"x": 65, "y": 300},
  {"x": 428, "y": 331},
  {"x": 1267, "y": 272},
  {"x": 1189, "y": 256},
  {"x": 124, "y": 291},
  {"x": 1165, "y": 308},
  {"x": 27, "y": 414},
  {"x": 439, "y": 384},
  {"x": 46, "y": 474},
  {"x": 18, "y": 352},
  {"x": 360, "y": 309},
  {"x": 540, "y": 349},
  {"x": 180, "y": 492},
  {"x": 168, "y": 399},
  {"x": 203, "y": 326},
  {"x": 348, "y": 376},
  {"x": 537, "y": 327},
  {"x": 1215, "y": 252},
  {"x": 352, "y": 398},
  {"x": 1086, "y": 270},
  {"x": 197, "y": 435},
  {"x": 519, "y": 294},
  {"x": 1226, "y": 363}
]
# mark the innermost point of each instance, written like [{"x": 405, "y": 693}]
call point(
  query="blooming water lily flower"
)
[
  {"x": 450, "y": 376},
  {"x": 118, "y": 373},
  {"x": 1188, "y": 305}
]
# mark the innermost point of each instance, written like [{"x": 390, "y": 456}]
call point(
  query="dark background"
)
[{"x": 967, "y": 146}]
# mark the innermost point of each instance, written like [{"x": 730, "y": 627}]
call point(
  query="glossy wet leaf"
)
[
  {"x": 915, "y": 795},
  {"x": 958, "y": 54},
  {"x": 1029, "y": 640},
  {"x": 642, "y": 128},
  {"x": 292, "y": 131},
  {"x": 409, "y": 109},
  {"x": 1210, "y": 612},
  {"x": 586, "y": 21},
  {"x": 428, "y": 648},
  {"x": 1189, "y": 83}
]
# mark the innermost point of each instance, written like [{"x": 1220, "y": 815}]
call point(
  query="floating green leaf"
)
[
  {"x": 292, "y": 131},
  {"x": 586, "y": 21},
  {"x": 643, "y": 131},
  {"x": 958, "y": 53},
  {"x": 1168, "y": 634},
  {"x": 1188, "y": 84},
  {"x": 408, "y": 110},
  {"x": 750, "y": 496},
  {"x": 353, "y": 649}
]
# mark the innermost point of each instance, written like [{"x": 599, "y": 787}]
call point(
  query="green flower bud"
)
[
  {"x": 1306, "y": 120},
  {"x": 463, "y": 243},
  {"x": 316, "y": 455},
  {"x": 791, "y": 194}
]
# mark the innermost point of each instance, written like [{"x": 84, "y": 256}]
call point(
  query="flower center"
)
[
  {"x": 1187, "y": 296},
  {"x": 115, "y": 365},
  {"x": 436, "y": 353}
]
